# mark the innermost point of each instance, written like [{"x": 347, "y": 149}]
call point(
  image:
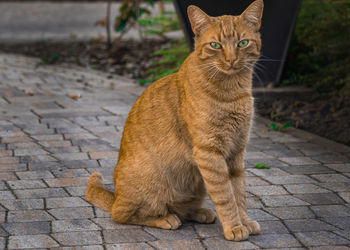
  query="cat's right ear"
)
[{"x": 198, "y": 18}]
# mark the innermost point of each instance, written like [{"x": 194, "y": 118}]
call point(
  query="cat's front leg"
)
[
  {"x": 236, "y": 167},
  {"x": 214, "y": 171}
]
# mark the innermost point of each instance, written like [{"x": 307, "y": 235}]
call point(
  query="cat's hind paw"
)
[
  {"x": 253, "y": 227},
  {"x": 203, "y": 215},
  {"x": 236, "y": 233}
]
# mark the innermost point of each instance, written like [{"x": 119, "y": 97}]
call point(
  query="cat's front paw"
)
[
  {"x": 252, "y": 226},
  {"x": 236, "y": 233}
]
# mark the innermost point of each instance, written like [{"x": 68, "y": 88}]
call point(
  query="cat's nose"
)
[{"x": 231, "y": 61}]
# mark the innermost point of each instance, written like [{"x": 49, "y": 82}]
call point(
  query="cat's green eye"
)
[
  {"x": 243, "y": 43},
  {"x": 215, "y": 45}
]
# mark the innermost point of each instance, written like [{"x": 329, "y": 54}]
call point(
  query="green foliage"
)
[
  {"x": 280, "y": 127},
  {"x": 319, "y": 56},
  {"x": 129, "y": 12},
  {"x": 50, "y": 59},
  {"x": 160, "y": 24},
  {"x": 171, "y": 58},
  {"x": 261, "y": 165}
]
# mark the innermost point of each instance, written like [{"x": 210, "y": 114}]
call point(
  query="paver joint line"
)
[{"x": 50, "y": 144}]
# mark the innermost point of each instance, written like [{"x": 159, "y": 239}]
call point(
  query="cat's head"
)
[{"x": 227, "y": 44}]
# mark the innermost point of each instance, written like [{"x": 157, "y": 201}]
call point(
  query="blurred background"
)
[{"x": 143, "y": 40}]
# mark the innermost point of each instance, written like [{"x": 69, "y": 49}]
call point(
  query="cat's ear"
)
[
  {"x": 253, "y": 14},
  {"x": 198, "y": 18}
]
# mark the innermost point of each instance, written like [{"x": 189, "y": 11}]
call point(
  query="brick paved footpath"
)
[{"x": 50, "y": 143}]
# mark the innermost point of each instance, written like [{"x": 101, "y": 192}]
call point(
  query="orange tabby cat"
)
[{"x": 187, "y": 133}]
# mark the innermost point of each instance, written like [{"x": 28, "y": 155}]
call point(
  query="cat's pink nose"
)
[{"x": 231, "y": 61}]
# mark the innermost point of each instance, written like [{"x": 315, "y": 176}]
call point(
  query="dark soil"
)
[
  {"x": 327, "y": 117},
  {"x": 127, "y": 58}
]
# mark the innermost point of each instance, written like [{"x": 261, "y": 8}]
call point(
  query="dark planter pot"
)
[{"x": 277, "y": 27}]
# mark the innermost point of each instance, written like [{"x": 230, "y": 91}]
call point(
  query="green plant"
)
[
  {"x": 280, "y": 127},
  {"x": 261, "y": 165},
  {"x": 319, "y": 56},
  {"x": 50, "y": 59},
  {"x": 171, "y": 58},
  {"x": 160, "y": 24}
]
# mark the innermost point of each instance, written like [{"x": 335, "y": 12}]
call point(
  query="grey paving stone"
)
[
  {"x": 343, "y": 233},
  {"x": 71, "y": 213},
  {"x": 2, "y": 242},
  {"x": 3, "y": 233},
  {"x": 259, "y": 215},
  {"x": 78, "y": 238},
  {"x": 305, "y": 189},
  {"x": 63, "y": 150},
  {"x": 289, "y": 179},
  {"x": 177, "y": 244},
  {"x": 291, "y": 212},
  {"x": 272, "y": 227},
  {"x": 331, "y": 178},
  {"x": 308, "y": 225},
  {"x": 298, "y": 160},
  {"x": 344, "y": 168},
  {"x": 331, "y": 210},
  {"x": 208, "y": 230},
  {"x": 33, "y": 175},
  {"x": 282, "y": 200},
  {"x": 73, "y": 225},
  {"x": 6, "y": 195},
  {"x": 340, "y": 222},
  {"x": 307, "y": 169},
  {"x": 267, "y": 172},
  {"x": 71, "y": 156},
  {"x": 266, "y": 190},
  {"x": 12, "y": 167},
  {"x": 253, "y": 202},
  {"x": 2, "y": 217},
  {"x": 40, "y": 166},
  {"x": 90, "y": 247},
  {"x": 255, "y": 181},
  {"x": 66, "y": 202},
  {"x": 31, "y": 241},
  {"x": 183, "y": 233},
  {"x": 128, "y": 246},
  {"x": 26, "y": 184},
  {"x": 63, "y": 173},
  {"x": 321, "y": 199},
  {"x": 26, "y": 204},
  {"x": 67, "y": 182},
  {"x": 81, "y": 164},
  {"x": 47, "y": 137},
  {"x": 332, "y": 157},
  {"x": 109, "y": 223},
  {"x": 126, "y": 236},
  {"x": 274, "y": 240},
  {"x": 27, "y": 228},
  {"x": 321, "y": 238},
  {"x": 28, "y": 216},
  {"x": 30, "y": 151},
  {"x": 76, "y": 191},
  {"x": 336, "y": 186},
  {"x": 345, "y": 196},
  {"x": 40, "y": 193},
  {"x": 330, "y": 247}
]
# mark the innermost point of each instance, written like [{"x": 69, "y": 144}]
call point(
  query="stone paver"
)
[{"x": 50, "y": 144}]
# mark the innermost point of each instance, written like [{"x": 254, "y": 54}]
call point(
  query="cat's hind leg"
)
[{"x": 202, "y": 215}]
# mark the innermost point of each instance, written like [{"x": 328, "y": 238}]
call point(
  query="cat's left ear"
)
[
  {"x": 253, "y": 14},
  {"x": 198, "y": 18}
]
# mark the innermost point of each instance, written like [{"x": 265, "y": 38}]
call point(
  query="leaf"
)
[
  {"x": 274, "y": 126},
  {"x": 28, "y": 92},
  {"x": 261, "y": 165},
  {"x": 150, "y": 2},
  {"x": 286, "y": 125},
  {"x": 74, "y": 96}
]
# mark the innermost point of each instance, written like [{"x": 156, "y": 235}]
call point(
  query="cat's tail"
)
[{"x": 97, "y": 194}]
